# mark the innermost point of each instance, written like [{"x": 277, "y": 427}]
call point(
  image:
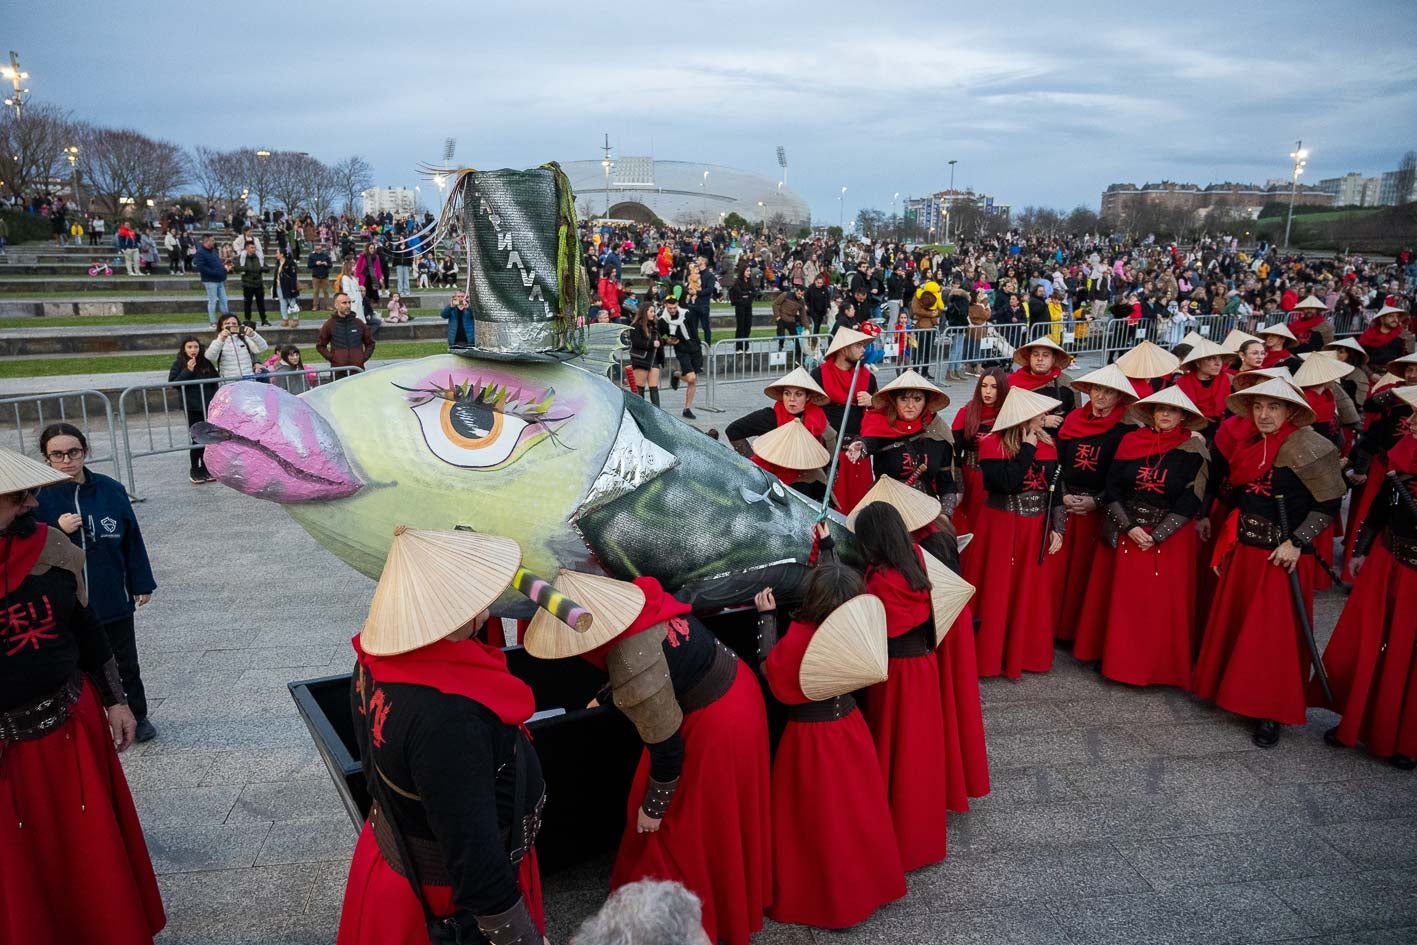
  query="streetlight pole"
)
[
  {"x": 703, "y": 194},
  {"x": 607, "y": 164},
  {"x": 72, "y": 153},
  {"x": 1299, "y": 154},
  {"x": 15, "y": 75},
  {"x": 949, "y": 199}
]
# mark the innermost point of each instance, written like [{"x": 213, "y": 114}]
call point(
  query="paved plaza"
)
[{"x": 1117, "y": 815}]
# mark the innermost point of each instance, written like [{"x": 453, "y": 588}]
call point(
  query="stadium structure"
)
[{"x": 681, "y": 193}]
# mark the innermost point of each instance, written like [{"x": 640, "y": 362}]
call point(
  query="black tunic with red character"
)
[
  {"x": 1372, "y": 657},
  {"x": 919, "y": 453},
  {"x": 1086, "y": 444},
  {"x": 1251, "y": 659},
  {"x": 1017, "y": 599},
  {"x": 73, "y": 863},
  {"x": 1146, "y": 632}
]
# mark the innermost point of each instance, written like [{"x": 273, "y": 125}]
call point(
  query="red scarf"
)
[
  {"x": 1209, "y": 398},
  {"x": 1139, "y": 444},
  {"x": 879, "y": 423},
  {"x": 837, "y": 382},
  {"x": 1322, "y": 402},
  {"x": 1374, "y": 337},
  {"x": 1302, "y": 327},
  {"x": 1403, "y": 456},
  {"x": 467, "y": 668},
  {"x": 660, "y": 606},
  {"x": 20, "y": 557},
  {"x": 1026, "y": 379},
  {"x": 1250, "y": 458},
  {"x": 1276, "y": 356},
  {"x": 1082, "y": 423},
  {"x": 1231, "y": 431},
  {"x": 813, "y": 418},
  {"x": 1143, "y": 386},
  {"x": 906, "y": 608},
  {"x": 987, "y": 414}
]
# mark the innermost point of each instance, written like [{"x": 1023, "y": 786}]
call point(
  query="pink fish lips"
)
[{"x": 268, "y": 443}]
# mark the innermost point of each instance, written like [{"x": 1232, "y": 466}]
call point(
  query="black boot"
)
[
  {"x": 1331, "y": 738},
  {"x": 674, "y": 381},
  {"x": 654, "y": 396},
  {"x": 1266, "y": 734},
  {"x": 1403, "y": 762}
]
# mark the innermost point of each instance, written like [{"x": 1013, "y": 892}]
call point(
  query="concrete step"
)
[
  {"x": 145, "y": 339},
  {"x": 81, "y": 282},
  {"x": 160, "y": 304}
]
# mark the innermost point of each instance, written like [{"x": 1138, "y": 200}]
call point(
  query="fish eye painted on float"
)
[{"x": 476, "y": 425}]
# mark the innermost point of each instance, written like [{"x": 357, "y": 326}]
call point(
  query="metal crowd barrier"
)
[
  {"x": 154, "y": 430},
  {"x": 89, "y": 410}
]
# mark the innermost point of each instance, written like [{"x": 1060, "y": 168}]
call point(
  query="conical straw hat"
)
[
  {"x": 1205, "y": 348},
  {"x": 1391, "y": 310},
  {"x": 1021, "y": 406},
  {"x": 848, "y": 650},
  {"x": 18, "y": 472},
  {"x": 1239, "y": 402},
  {"x": 1146, "y": 361},
  {"x": 1405, "y": 359},
  {"x": 1109, "y": 376},
  {"x": 915, "y": 507},
  {"x": 949, "y": 593},
  {"x": 434, "y": 582},
  {"x": 845, "y": 338},
  {"x": 614, "y": 605},
  {"x": 1278, "y": 328},
  {"x": 1192, "y": 339},
  {"x": 798, "y": 378},
  {"x": 1247, "y": 379},
  {"x": 1236, "y": 338},
  {"x": 1384, "y": 381},
  {"x": 1408, "y": 395},
  {"x": 1322, "y": 368},
  {"x": 1314, "y": 302},
  {"x": 1140, "y": 412},
  {"x": 1357, "y": 357},
  {"x": 935, "y": 399},
  {"x": 791, "y": 446},
  {"x": 1021, "y": 352}
]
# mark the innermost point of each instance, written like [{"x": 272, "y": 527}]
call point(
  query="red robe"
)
[
  {"x": 834, "y": 854},
  {"x": 970, "y": 480}
]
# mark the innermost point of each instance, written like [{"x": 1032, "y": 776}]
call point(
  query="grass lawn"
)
[
  {"x": 194, "y": 319},
  {"x": 52, "y": 367}
]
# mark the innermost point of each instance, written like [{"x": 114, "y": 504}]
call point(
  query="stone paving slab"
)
[{"x": 1118, "y": 815}]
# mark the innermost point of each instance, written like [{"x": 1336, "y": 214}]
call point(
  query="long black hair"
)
[
  {"x": 830, "y": 585},
  {"x": 886, "y": 544},
  {"x": 204, "y": 367}
]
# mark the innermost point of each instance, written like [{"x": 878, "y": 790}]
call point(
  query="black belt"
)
[
  {"x": 1022, "y": 503},
  {"x": 1147, "y": 516},
  {"x": 913, "y": 642},
  {"x": 712, "y": 684},
  {"x": 427, "y": 855},
  {"x": 39, "y": 718},
  {"x": 969, "y": 458},
  {"x": 1258, "y": 532},
  {"x": 828, "y": 710},
  {"x": 1403, "y": 550}
]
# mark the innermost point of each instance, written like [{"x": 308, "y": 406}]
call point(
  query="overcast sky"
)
[{"x": 1040, "y": 106}]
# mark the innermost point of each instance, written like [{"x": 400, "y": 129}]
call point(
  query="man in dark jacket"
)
[
  {"x": 344, "y": 339},
  {"x": 818, "y": 302},
  {"x": 213, "y": 274},
  {"x": 319, "y": 266}
]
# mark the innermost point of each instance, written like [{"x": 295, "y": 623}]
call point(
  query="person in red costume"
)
[
  {"x": 1310, "y": 325},
  {"x": 1279, "y": 345},
  {"x": 834, "y": 854},
  {"x": 1156, "y": 488},
  {"x": 833, "y": 375},
  {"x": 1372, "y": 657},
  {"x": 1252, "y": 661},
  {"x": 1205, "y": 379},
  {"x": 440, "y": 726},
  {"x": 972, "y": 422},
  {"x": 1385, "y": 416},
  {"x": 73, "y": 863},
  {"x": 1041, "y": 363},
  {"x": 908, "y": 439},
  {"x": 1387, "y": 338},
  {"x": 904, "y": 712},
  {"x": 1018, "y": 596},
  {"x": 1086, "y": 442},
  {"x": 1149, "y": 366},
  {"x": 699, "y": 810},
  {"x": 795, "y": 396}
]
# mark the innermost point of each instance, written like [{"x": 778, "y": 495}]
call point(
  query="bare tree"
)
[
  {"x": 125, "y": 167},
  {"x": 290, "y": 179},
  {"x": 32, "y": 147},
  {"x": 205, "y": 165},
  {"x": 231, "y": 169},
  {"x": 260, "y": 176},
  {"x": 1406, "y": 177},
  {"x": 1081, "y": 220},
  {"x": 321, "y": 188},
  {"x": 353, "y": 176}
]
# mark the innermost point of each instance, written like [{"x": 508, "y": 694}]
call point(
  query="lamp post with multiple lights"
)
[{"x": 1299, "y": 156}]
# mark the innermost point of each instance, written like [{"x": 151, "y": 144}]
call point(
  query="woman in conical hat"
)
[
  {"x": 1040, "y": 369},
  {"x": 1279, "y": 344},
  {"x": 905, "y": 713},
  {"x": 1205, "y": 378},
  {"x": 1356, "y": 383},
  {"x": 1318, "y": 378},
  {"x": 1085, "y": 442},
  {"x": 441, "y": 722},
  {"x": 1310, "y": 325},
  {"x": 795, "y": 396},
  {"x": 833, "y": 375},
  {"x": 908, "y": 438},
  {"x": 971, "y": 423},
  {"x": 75, "y": 864},
  {"x": 1017, "y": 601},
  {"x": 1145, "y": 632},
  {"x": 1387, "y": 337},
  {"x": 1372, "y": 657},
  {"x": 834, "y": 854},
  {"x": 1146, "y": 364},
  {"x": 699, "y": 805}
]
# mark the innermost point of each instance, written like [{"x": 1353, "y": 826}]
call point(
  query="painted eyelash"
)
[{"x": 498, "y": 397}]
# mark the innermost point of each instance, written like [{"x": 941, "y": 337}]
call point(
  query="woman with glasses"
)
[{"x": 94, "y": 511}]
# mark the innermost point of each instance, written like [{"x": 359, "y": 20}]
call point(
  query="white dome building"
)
[{"x": 681, "y": 193}]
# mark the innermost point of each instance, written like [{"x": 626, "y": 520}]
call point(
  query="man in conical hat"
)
[
  {"x": 1310, "y": 324},
  {"x": 439, "y": 721},
  {"x": 1286, "y": 488},
  {"x": 1387, "y": 337},
  {"x": 1041, "y": 363},
  {"x": 833, "y": 375}
]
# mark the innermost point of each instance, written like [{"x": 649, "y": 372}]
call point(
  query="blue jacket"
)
[
  {"x": 209, "y": 265},
  {"x": 453, "y": 316},
  {"x": 115, "y": 558}
]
